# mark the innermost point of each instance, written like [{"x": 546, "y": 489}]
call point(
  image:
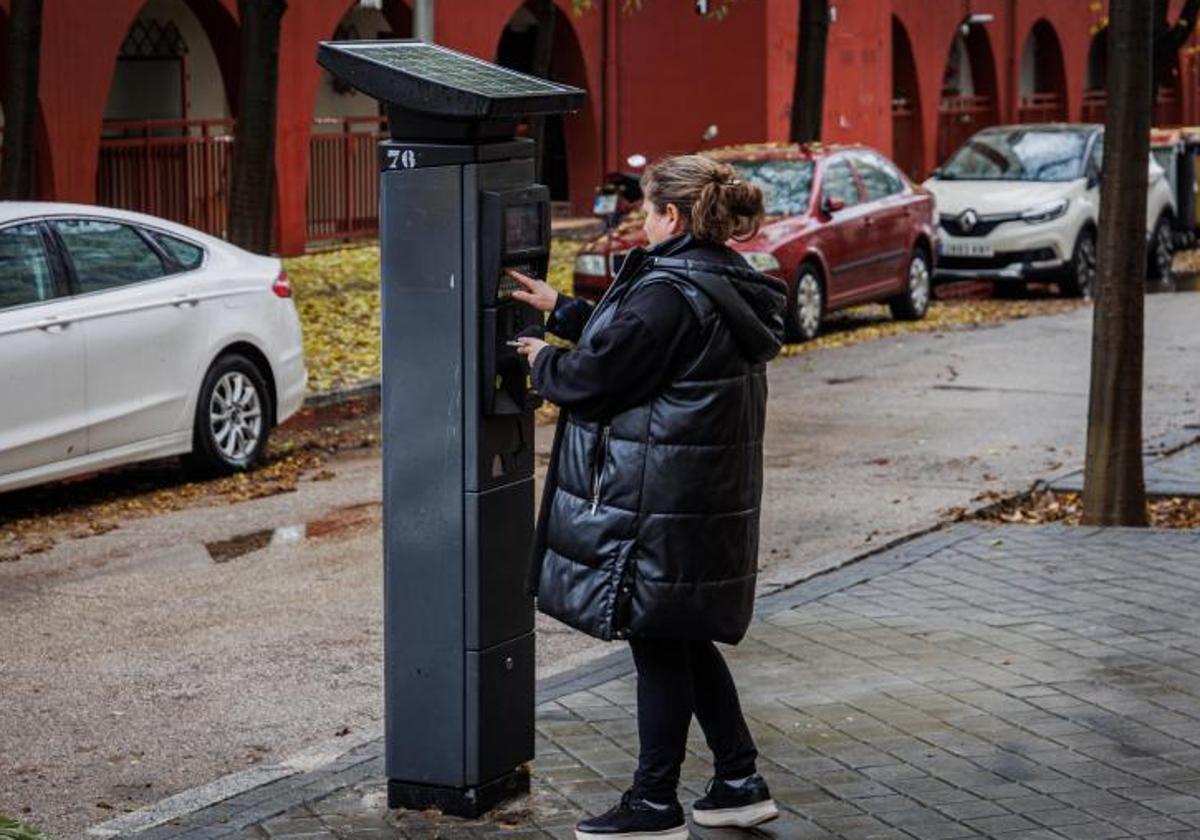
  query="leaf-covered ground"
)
[{"x": 1045, "y": 506}]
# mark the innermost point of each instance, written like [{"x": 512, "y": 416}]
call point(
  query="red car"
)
[{"x": 844, "y": 226}]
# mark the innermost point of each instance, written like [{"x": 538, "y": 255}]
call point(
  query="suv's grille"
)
[{"x": 985, "y": 225}]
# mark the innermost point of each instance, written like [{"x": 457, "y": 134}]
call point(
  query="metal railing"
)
[
  {"x": 343, "y": 178},
  {"x": 1167, "y": 110},
  {"x": 1095, "y": 106},
  {"x": 1042, "y": 107},
  {"x": 959, "y": 117},
  {"x": 176, "y": 169}
]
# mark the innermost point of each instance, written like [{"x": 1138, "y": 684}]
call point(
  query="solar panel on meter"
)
[{"x": 434, "y": 80}]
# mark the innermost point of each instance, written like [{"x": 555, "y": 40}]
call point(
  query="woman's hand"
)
[
  {"x": 530, "y": 347},
  {"x": 537, "y": 293}
]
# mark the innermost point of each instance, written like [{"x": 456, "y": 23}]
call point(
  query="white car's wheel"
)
[
  {"x": 1081, "y": 279},
  {"x": 1162, "y": 250},
  {"x": 232, "y": 422}
]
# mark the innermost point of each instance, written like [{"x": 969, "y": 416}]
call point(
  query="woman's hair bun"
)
[{"x": 715, "y": 201}]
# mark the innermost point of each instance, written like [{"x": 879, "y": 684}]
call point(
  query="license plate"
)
[
  {"x": 967, "y": 249},
  {"x": 605, "y": 203}
]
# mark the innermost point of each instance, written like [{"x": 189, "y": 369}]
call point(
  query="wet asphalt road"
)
[{"x": 135, "y": 665}]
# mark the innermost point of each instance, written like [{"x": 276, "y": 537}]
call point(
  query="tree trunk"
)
[
  {"x": 18, "y": 168},
  {"x": 252, "y": 191},
  {"x": 1114, "y": 491},
  {"x": 808, "y": 92},
  {"x": 543, "y": 53}
]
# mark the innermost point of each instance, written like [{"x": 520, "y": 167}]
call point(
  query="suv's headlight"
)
[
  {"x": 592, "y": 265},
  {"x": 761, "y": 260},
  {"x": 1046, "y": 212}
]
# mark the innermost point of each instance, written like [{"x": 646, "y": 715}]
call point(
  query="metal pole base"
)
[{"x": 469, "y": 803}]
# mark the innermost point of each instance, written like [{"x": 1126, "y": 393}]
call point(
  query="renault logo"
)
[{"x": 968, "y": 220}]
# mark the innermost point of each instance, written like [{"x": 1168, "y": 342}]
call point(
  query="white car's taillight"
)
[{"x": 282, "y": 287}]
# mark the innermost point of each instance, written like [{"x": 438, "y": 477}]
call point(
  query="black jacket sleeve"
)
[
  {"x": 568, "y": 317},
  {"x": 628, "y": 361}
]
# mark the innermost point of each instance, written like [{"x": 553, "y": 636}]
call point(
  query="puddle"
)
[{"x": 338, "y": 522}]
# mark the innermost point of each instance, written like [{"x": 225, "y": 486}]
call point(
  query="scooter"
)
[{"x": 619, "y": 195}]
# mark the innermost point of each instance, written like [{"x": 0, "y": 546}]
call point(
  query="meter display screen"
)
[{"x": 522, "y": 227}]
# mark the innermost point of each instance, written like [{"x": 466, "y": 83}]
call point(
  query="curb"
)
[{"x": 367, "y": 389}]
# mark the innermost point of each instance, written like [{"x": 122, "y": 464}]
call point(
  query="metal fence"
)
[
  {"x": 906, "y": 137},
  {"x": 343, "y": 178},
  {"x": 1042, "y": 107},
  {"x": 180, "y": 170},
  {"x": 959, "y": 117},
  {"x": 176, "y": 169}
]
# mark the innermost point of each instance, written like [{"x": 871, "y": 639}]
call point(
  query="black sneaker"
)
[
  {"x": 743, "y": 806},
  {"x": 635, "y": 819}
]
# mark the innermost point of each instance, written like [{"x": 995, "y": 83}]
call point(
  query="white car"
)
[
  {"x": 1022, "y": 202},
  {"x": 125, "y": 337}
]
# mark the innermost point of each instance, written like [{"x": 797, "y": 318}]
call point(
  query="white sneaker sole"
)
[
  {"x": 747, "y": 816},
  {"x": 680, "y": 833}
]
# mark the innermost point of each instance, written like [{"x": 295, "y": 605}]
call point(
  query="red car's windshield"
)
[{"x": 786, "y": 184}]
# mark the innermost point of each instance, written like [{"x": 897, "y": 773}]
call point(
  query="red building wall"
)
[{"x": 655, "y": 78}]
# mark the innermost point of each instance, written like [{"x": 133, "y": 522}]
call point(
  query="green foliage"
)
[{"x": 11, "y": 829}]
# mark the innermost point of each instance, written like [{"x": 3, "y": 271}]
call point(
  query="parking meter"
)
[{"x": 458, "y": 206}]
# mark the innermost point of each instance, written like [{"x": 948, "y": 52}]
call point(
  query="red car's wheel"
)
[
  {"x": 808, "y": 304},
  {"x": 913, "y": 303}
]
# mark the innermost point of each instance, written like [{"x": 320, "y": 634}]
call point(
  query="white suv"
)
[{"x": 1021, "y": 202}]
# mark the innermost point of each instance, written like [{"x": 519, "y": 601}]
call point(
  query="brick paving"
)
[{"x": 1021, "y": 683}]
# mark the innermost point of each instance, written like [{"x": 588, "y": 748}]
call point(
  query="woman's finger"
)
[
  {"x": 527, "y": 282},
  {"x": 523, "y": 296}
]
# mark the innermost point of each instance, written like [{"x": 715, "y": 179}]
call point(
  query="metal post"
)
[{"x": 423, "y": 11}]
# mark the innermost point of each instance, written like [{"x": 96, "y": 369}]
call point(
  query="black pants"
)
[{"x": 676, "y": 679}]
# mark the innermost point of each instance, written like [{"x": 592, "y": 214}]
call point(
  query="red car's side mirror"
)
[{"x": 831, "y": 204}]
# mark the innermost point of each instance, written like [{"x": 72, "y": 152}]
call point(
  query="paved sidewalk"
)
[
  {"x": 1177, "y": 474},
  {"x": 1023, "y": 683}
]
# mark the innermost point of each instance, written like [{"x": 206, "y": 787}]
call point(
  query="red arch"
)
[
  {"x": 929, "y": 27},
  {"x": 303, "y": 26},
  {"x": 908, "y": 143},
  {"x": 1047, "y": 100},
  {"x": 569, "y": 66},
  {"x": 961, "y": 115},
  {"x": 43, "y": 159}
]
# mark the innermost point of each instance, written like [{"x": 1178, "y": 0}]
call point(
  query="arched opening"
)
[
  {"x": 517, "y": 49},
  {"x": 1168, "y": 98},
  {"x": 168, "y": 122},
  {"x": 969, "y": 99},
  {"x": 908, "y": 144},
  {"x": 1095, "y": 92},
  {"x": 1043, "y": 81},
  {"x": 343, "y": 178},
  {"x": 3, "y": 73}
]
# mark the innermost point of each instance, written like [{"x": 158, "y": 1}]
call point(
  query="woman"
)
[{"x": 648, "y": 529}]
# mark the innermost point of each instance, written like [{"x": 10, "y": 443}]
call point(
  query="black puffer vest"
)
[{"x": 649, "y": 522}]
